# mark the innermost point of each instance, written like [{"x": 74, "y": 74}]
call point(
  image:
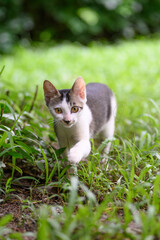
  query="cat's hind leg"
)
[
  {"x": 108, "y": 133},
  {"x": 108, "y": 129}
]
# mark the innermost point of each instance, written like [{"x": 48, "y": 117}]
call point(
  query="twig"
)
[
  {"x": 22, "y": 104},
  {"x": 34, "y": 99},
  {"x": 2, "y": 111},
  {"x": 7, "y": 93},
  {"x": 1, "y": 71}
]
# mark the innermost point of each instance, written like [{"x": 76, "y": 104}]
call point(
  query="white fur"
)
[
  {"x": 108, "y": 128},
  {"x": 76, "y": 138},
  {"x": 66, "y": 115},
  {"x": 79, "y": 151}
]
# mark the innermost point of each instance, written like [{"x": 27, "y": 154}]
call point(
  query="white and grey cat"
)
[{"x": 79, "y": 114}]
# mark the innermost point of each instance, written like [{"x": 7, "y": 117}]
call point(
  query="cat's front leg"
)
[{"x": 78, "y": 151}]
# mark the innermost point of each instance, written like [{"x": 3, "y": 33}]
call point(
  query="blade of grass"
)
[
  {"x": 2, "y": 70},
  {"x": 46, "y": 163}
]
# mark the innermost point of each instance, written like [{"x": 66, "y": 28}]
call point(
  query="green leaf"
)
[
  {"x": 40, "y": 165},
  {"x": 3, "y": 138},
  {"x": 16, "y": 235},
  {"x": 52, "y": 172},
  {"x": 58, "y": 152},
  {"x": 25, "y": 154},
  {"x": 15, "y": 154},
  {"x": 25, "y": 177},
  {"x": 16, "y": 168},
  {"x": 24, "y": 146},
  {"x": 104, "y": 143},
  {"x": 10, "y": 108},
  {"x": 46, "y": 163},
  {"x": 5, "y": 220},
  {"x": 7, "y": 150}
]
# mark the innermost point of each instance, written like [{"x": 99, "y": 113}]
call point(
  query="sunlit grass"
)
[{"x": 130, "y": 67}]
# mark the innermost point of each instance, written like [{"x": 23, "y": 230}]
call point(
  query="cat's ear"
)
[
  {"x": 50, "y": 91},
  {"x": 79, "y": 89}
]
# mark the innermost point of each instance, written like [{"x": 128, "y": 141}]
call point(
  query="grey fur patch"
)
[
  {"x": 70, "y": 98},
  {"x": 65, "y": 93},
  {"x": 99, "y": 102}
]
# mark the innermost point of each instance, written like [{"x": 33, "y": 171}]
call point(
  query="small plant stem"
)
[{"x": 34, "y": 99}]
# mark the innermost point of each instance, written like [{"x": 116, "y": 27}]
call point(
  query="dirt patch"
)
[{"x": 23, "y": 205}]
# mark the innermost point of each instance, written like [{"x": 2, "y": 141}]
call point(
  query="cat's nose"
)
[{"x": 67, "y": 122}]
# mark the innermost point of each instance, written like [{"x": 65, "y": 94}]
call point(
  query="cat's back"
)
[
  {"x": 100, "y": 89},
  {"x": 99, "y": 100}
]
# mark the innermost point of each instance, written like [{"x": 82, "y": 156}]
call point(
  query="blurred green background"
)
[{"x": 84, "y": 21}]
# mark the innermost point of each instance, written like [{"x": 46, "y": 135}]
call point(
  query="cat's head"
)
[{"x": 65, "y": 105}]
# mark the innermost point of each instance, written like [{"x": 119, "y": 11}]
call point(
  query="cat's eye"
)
[
  {"x": 74, "y": 109},
  {"x": 58, "y": 110}
]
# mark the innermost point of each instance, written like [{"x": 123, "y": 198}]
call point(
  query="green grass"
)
[{"x": 117, "y": 201}]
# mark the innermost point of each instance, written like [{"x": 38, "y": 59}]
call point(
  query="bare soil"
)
[{"x": 23, "y": 204}]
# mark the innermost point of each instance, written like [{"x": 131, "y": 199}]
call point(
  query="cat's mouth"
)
[{"x": 68, "y": 123}]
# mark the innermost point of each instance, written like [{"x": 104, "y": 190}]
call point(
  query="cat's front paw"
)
[
  {"x": 74, "y": 155},
  {"x": 79, "y": 151}
]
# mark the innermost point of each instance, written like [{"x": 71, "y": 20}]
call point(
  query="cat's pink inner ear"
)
[
  {"x": 49, "y": 89},
  {"x": 79, "y": 88}
]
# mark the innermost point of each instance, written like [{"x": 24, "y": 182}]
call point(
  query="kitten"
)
[{"x": 79, "y": 114}]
